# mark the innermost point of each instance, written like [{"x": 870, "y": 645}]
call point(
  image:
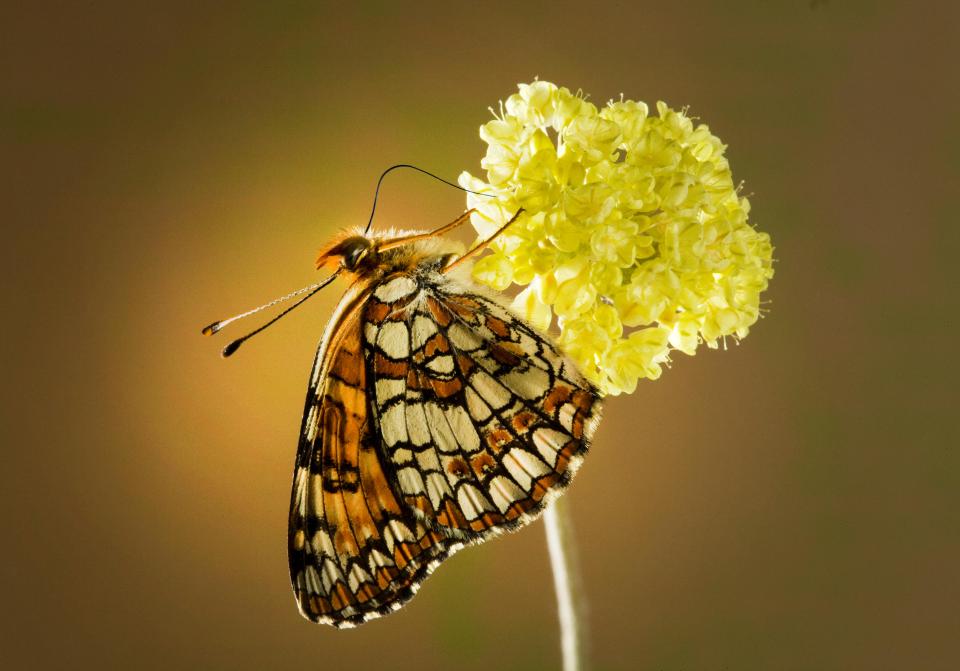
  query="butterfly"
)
[{"x": 435, "y": 418}]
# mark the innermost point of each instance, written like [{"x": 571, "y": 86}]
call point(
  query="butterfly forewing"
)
[
  {"x": 355, "y": 552},
  {"x": 435, "y": 418}
]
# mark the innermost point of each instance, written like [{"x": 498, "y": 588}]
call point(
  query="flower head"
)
[{"x": 633, "y": 235}]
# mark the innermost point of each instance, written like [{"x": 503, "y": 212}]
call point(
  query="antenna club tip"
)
[
  {"x": 210, "y": 329},
  {"x": 231, "y": 348}
]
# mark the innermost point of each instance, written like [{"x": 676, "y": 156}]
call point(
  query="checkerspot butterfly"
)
[{"x": 435, "y": 418}]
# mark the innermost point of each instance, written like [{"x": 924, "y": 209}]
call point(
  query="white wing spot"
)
[
  {"x": 410, "y": 481},
  {"x": 394, "y": 340},
  {"x": 529, "y": 384},
  {"x": 393, "y": 425},
  {"x": 548, "y": 441},
  {"x": 441, "y": 364},
  {"x": 379, "y": 559},
  {"x": 357, "y": 577},
  {"x": 524, "y": 467},
  {"x": 566, "y": 415},
  {"x": 395, "y": 289},
  {"x": 491, "y": 391},
  {"x": 437, "y": 487},
  {"x": 462, "y": 338},
  {"x": 472, "y": 502},
  {"x": 311, "y": 422},
  {"x": 423, "y": 328},
  {"x": 388, "y": 389},
  {"x": 417, "y": 424},
  {"x": 401, "y": 531},
  {"x": 329, "y": 574},
  {"x": 322, "y": 545},
  {"x": 442, "y": 435},
  {"x": 427, "y": 459},
  {"x": 312, "y": 580},
  {"x": 478, "y": 409},
  {"x": 300, "y": 490},
  {"x": 388, "y": 538},
  {"x": 463, "y": 430},
  {"x": 370, "y": 332},
  {"x": 505, "y": 492},
  {"x": 401, "y": 456}
]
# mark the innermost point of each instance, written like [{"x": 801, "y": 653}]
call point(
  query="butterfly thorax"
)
[{"x": 373, "y": 257}]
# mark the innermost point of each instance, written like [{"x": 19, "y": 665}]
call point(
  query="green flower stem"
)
[{"x": 562, "y": 549}]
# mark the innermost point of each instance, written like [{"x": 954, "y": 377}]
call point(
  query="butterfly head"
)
[{"x": 350, "y": 253}]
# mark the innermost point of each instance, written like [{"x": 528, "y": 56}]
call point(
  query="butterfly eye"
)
[{"x": 353, "y": 250}]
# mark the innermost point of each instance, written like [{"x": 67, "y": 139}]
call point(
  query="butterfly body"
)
[{"x": 435, "y": 418}]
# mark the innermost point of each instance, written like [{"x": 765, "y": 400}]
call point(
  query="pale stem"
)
[{"x": 562, "y": 551}]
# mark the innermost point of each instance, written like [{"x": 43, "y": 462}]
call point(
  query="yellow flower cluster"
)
[{"x": 634, "y": 234}]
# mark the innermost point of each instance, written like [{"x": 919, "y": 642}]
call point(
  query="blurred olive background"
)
[{"x": 791, "y": 503}]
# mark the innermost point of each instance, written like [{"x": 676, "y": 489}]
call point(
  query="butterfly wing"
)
[
  {"x": 434, "y": 418},
  {"x": 355, "y": 552},
  {"x": 482, "y": 418}
]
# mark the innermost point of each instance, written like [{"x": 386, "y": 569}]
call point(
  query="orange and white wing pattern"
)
[
  {"x": 355, "y": 552},
  {"x": 435, "y": 418},
  {"x": 481, "y": 418}
]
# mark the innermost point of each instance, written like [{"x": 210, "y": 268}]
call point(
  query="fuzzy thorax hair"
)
[{"x": 372, "y": 256}]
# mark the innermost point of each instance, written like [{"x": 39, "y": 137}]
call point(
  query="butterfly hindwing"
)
[
  {"x": 434, "y": 419},
  {"x": 480, "y": 416}
]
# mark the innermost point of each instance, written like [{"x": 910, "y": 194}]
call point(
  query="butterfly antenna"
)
[
  {"x": 386, "y": 172},
  {"x": 235, "y": 345}
]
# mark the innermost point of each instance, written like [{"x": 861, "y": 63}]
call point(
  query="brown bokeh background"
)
[{"x": 791, "y": 503}]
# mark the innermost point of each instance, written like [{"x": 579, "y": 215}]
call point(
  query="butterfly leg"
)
[
  {"x": 482, "y": 245},
  {"x": 446, "y": 228}
]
